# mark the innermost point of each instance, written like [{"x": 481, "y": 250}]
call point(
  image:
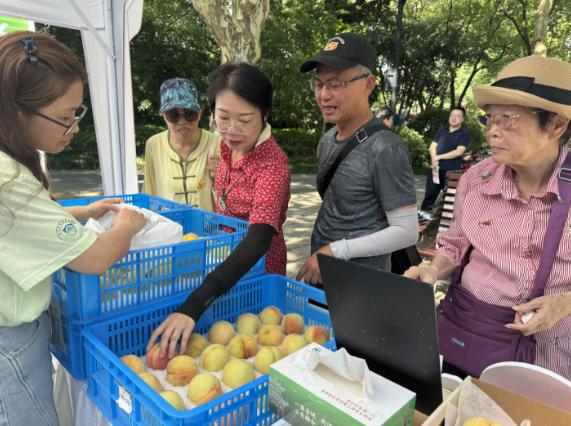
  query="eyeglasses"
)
[
  {"x": 238, "y": 128},
  {"x": 173, "y": 115},
  {"x": 317, "y": 85},
  {"x": 502, "y": 120},
  {"x": 78, "y": 116}
]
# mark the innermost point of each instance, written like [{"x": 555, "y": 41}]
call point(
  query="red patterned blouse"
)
[{"x": 256, "y": 188}]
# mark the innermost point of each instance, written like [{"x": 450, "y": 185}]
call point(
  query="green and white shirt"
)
[{"x": 37, "y": 237}]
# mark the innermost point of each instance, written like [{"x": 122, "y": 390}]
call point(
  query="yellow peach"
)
[
  {"x": 317, "y": 334},
  {"x": 476, "y": 421},
  {"x": 180, "y": 370},
  {"x": 134, "y": 363},
  {"x": 265, "y": 357},
  {"x": 293, "y": 324},
  {"x": 214, "y": 357},
  {"x": 203, "y": 388},
  {"x": 247, "y": 323},
  {"x": 221, "y": 332},
  {"x": 270, "y": 315},
  {"x": 152, "y": 381},
  {"x": 237, "y": 372},
  {"x": 270, "y": 335},
  {"x": 191, "y": 236},
  {"x": 196, "y": 344},
  {"x": 243, "y": 346},
  {"x": 155, "y": 360},
  {"x": 292, "y": 343},
  {"x": 173, "y": 399}
]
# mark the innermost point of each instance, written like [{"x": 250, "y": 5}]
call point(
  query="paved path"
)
[{"x": 303, "y": 206}]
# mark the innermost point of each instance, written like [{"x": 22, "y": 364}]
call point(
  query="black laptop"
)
[{"x": 388, "y": 320}]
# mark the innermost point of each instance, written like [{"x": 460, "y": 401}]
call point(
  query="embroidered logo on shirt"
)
[
  {"x": 69, "y": 230},
  {"x": 486, "y": 222},
  {"x": 486, "y": 176}
]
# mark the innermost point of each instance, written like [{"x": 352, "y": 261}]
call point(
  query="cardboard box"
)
[
  {"x": 518, "y": 407},
  {"x": 301, "y": 397}
]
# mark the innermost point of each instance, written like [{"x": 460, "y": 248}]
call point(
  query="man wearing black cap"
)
[{"x": 364, "y": 174}]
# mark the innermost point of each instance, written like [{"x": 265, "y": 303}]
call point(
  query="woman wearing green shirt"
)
[{"x": 41, "y": 82}]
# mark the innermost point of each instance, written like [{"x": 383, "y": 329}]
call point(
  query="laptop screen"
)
[{"x": 388, "y": 320}]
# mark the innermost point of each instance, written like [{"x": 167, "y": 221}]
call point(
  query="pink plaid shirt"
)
[{"x": 507, "y": 233}]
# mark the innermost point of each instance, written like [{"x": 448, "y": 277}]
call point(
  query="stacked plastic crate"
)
[{"x": 141, "y": 278}]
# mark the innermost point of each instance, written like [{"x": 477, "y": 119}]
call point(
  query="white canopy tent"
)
[{"x": 106, "y": 26}]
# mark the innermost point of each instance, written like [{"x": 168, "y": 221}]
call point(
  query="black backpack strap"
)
[{"x": 360, "y": 136}]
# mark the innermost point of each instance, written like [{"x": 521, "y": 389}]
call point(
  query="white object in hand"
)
[{"x": 527, "y": 316}]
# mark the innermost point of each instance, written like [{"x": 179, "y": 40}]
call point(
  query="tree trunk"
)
[
  {"x": 398, "y": 50},
  {"x": 236, "y": 26},
  {"x": 541, "y": 24},
  {"x": 453, "y": 88}
]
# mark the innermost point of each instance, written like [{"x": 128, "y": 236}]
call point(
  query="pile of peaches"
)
[{"x": 230, "y": 357}]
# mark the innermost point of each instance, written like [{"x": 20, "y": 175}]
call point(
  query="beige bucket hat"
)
[{"x": 533, "y": 81}]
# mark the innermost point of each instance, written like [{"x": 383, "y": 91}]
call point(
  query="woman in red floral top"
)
[{"x": 252, "y": 183}]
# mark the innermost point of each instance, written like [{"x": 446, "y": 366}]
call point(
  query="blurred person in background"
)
[{"x": 446, "y": 151}]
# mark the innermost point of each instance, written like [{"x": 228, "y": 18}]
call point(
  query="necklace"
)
[{"x": 223, "y": 198}]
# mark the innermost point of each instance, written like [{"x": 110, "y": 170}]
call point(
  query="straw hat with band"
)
[{"x": 533, "y": 81}]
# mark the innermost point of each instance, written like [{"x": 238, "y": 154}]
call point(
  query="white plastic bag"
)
[{"x": 158, "y": 231}]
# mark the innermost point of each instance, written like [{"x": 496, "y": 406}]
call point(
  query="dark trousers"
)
[{"x": 432, "y": 190}]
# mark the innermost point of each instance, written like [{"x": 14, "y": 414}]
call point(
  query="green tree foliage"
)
[
  {"x": 173, "y": 42},
  {"x": 417, "y": 147},
  {"x": 447, "y": 47}
]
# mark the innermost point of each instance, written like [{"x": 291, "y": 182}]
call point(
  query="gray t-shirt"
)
[{"x": 374, "y": 178}]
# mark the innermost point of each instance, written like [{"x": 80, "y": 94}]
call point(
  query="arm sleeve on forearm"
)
[
  {"x": 254, "y": 245},
  {"x": 401, "y": 232}
]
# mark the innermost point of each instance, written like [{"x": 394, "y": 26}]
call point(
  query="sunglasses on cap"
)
[{"x": 173, "y": 115}]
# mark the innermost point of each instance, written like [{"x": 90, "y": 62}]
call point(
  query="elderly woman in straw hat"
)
[{"x": 508, "y": 250}]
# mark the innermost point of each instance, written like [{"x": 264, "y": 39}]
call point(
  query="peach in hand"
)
[{"x": 155, "y": 360}]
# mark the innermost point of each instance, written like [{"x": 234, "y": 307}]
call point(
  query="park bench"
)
[{"x": 442, "y": 217}]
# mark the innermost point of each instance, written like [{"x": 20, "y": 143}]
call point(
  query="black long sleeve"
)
[{"x": 254, "y": 245}]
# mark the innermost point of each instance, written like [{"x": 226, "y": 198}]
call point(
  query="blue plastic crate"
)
[
  {"x": 108, "y": 377},
  {"x": 149, "y": 275},
  {"x": 149, "y": 202}
]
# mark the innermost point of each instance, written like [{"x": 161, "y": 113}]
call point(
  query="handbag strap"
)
[
  {"x": 555, "y": 226},
  {"x": 358, "y": 137},
  {"x": 552, "y": 238}
]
